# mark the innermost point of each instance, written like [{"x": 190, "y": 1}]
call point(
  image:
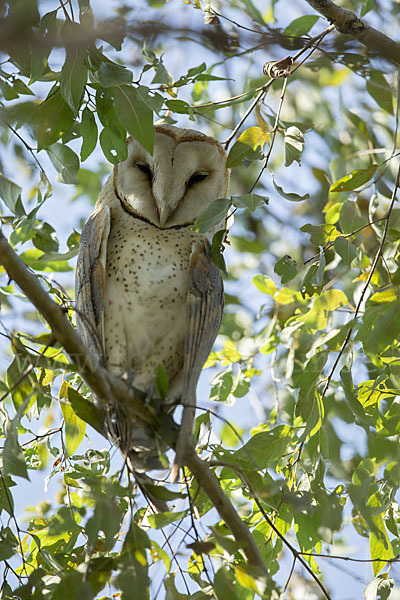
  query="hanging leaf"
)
[
  {"x": 135, "y": 115},
  {"x": 10, "y": 192},
  {"x": 286, "y": 267},
  {"x": 73, "y": 78},
  {"x": 74, "y": 426},
  {"x": 113, "y": 145},
  {"x": 65, "y": 161},
  {"x": 294, "y": 145},
  {"x": 88, "y": 129},
  {"x": 380, "y": 91},
  {"x": 291, "y": 196},
  {"x": 346, "y": 250}
]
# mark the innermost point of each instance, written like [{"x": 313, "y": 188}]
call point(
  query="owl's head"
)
[{"x": 174, "y": 186}]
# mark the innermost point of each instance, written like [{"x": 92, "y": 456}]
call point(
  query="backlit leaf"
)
[
  {"x": 353, "y": 180},
  {"x": 294, "y": 145}
]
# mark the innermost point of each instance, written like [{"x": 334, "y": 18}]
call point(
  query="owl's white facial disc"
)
[{"x": 174, "y": 186}]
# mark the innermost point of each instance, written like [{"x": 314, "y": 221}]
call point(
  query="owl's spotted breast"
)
[{"x": 145, "y": 299}]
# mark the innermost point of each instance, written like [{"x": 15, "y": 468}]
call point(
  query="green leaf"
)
[
  {"x": 367, "y": 6},
  {"x": 160, "y": 520},
  {"x": 45, "y": 238},
  {"x": 350, "y": 218},
  {"x": 381, "y": 92},
  {"x": 54, "y": 118},
  {"x": 294, "y": 145},
  {"x": 135, "y": 115},
  {"x": 353, "y": 180},
  {"x": 224, "y": 585},
  {"x": 289, "y": 195},
  {"x": 109, "y": 74},
  {"x": 171, "y": 593},
  {"x": 286, "y": 267},
  {"x": 346, "y": 250},
  {"x": 107, "y": 518},
  {"x": 74, "y": 426},
  {"x": 250, "y": 201},
  {"x": 264, "y": 449},
  {"x": 88, "y": 129},
  {"x": 133, "y": 577},
  {"x": 65, "y": 161},
  {"x": 113, "y": 146},
  {"x": 213, "y": 215},
  {"x": 221, "y": 387},
  {"x": 320, "y": 234},
  {"x": 180, "y": 107},
  {"x": 301, "y": 26},
  {"x": 13, "y": 456},
  {"x": 9, "y": 192},
  {"x": 73, "y": 78}
]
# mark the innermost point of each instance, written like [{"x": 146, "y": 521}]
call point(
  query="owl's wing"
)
[
  {"x": 205, "y": 303},
  {"x": 90, "y": 279}
]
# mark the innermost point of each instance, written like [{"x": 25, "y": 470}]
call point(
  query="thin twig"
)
[
  {"x": 27, "y": 146},
  {"x": 274, "y": 131},
  {"x": 348, "y": 558},
  {"x": 290, "y": 574}
]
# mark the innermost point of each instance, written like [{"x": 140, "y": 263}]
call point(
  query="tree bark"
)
[{"x": 347, "y": 22}]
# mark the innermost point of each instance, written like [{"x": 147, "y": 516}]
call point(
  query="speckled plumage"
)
[{"x": 148, "y": 293}]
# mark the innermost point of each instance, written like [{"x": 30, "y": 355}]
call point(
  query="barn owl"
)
[{"x": 147, "y": 291}]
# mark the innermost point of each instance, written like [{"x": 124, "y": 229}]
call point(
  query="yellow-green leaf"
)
[
  {"x": 353, "y": 180},
  {"x": 379, "y": 543},
  {"x": 74, "y": 426}
]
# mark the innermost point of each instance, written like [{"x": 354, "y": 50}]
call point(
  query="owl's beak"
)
[{"x": 163, "y": 214}]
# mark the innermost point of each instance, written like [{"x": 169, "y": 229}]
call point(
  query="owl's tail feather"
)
[{"x": 140, "y": 452}]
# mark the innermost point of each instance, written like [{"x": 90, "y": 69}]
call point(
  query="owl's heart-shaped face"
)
[{"x": 174, "y": 186}]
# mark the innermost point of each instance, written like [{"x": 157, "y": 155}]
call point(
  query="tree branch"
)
[
  {"x": 347, "y": 22},
  {"x": 109, "y": 389},
  {"x": 226, "y": 510}
]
